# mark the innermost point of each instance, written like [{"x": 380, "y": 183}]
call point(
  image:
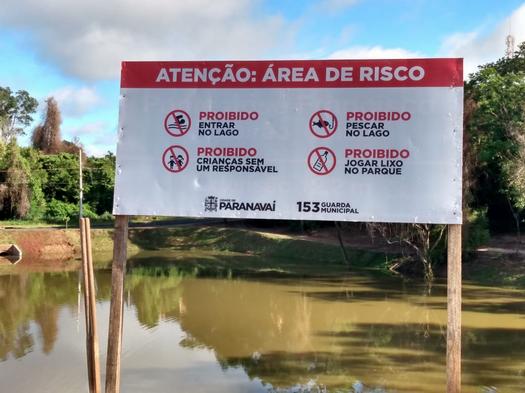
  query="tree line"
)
[{"x": 41, "y": 182}]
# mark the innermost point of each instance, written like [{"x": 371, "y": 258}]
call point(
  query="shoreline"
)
[{"x": 243, "y": 249}]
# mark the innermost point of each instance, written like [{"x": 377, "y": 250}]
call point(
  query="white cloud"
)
[
  {"x": 97, "y": 137},
  {"x": 103, "y": 143},
  {"x": 89, "y": 39},
  {"x": 373, "y": 52},
  {"x": 76, "y": 101},
  {"x": 91, "y": 129},
  {"x": 479, "y": 47}
]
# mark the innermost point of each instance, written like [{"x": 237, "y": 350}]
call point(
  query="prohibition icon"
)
[
  {"x": 323, "y": 123},
  {"x": 321, "y": 161},
  {"x": 175, "y": 158},
  {"x": 177, "y": 122}
]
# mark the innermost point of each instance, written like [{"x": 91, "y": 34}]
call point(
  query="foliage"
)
[
  {"x": 62, "y": 181},
  {"x": 422, "y": 242},
  {"x": 37, "y": 178},
  {"x": 15, "y": 112},
  {"x": 58, "y": 211},
  {"x": 100, "y": 175},
  {"x": 47, "y": 185},
  {"x": 46, "y": 136},
  {"x": 38, "y": 202},
  {"x": 14, "y": 187},
  {"x": 496, "y": 130}
]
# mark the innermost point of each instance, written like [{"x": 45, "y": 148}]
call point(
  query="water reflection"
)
[
  {"x": 37, "y": 298},
  {"x": 187, "y": 333}
]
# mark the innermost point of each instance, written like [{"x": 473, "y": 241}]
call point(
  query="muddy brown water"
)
[{"x": 187, "y": 334}]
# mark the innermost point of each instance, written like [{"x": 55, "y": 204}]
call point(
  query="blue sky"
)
[{"x": 72, "y": 49}]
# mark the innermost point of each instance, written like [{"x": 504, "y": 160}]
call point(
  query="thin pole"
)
[
  {"x": 117, "y": 304},
  {"x": 85, "y": 275},
  {"x": 92, "y": 309},
  {"x": 454, "y": 309},
  {"x": 81, "y": 186}
]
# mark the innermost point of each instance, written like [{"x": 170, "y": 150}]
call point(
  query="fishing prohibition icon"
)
[{"x": 323, "y": 123}]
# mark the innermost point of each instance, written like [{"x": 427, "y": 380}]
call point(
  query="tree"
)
[
  {"x": 15, "y": 112},
  {"x": 37, "y": 179},
  {"x": 423, "y": 240},
  {"x": 496, "y": 130},
  {"x": 15, "y": 185},
  {"x": 46, "y": 136},
  {"x": 100, "y": 175},
  {"x": 62, "y": 182}
]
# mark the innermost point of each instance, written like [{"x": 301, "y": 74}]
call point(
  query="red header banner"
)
[{"x": 446, "y": 72}]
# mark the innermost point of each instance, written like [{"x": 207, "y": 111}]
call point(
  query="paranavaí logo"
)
[{"x": 212, "y": 204}]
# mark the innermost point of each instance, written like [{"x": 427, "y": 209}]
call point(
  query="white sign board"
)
[{"x": 347, "y": 140}]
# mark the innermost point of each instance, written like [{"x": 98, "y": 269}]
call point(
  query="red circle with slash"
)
[
  {"x": 321, "y": 161},
  {"x": 177, "y": 122},
  {"x": 323, "y": 124},
  {"x": 175, "y": 158}
]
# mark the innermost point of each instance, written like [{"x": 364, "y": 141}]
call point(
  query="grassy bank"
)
[
  {"x": 206, "y": 249},
  {"x": 241, "y": 251},
  {"x": 223, "y": 251}
]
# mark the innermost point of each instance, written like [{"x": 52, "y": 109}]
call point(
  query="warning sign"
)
[
  {"x": 321, "y": 161},
  {"x": 175, "y": 158},
  {"x": 345, "y": 140},
  {"x": 177, "y": 123},
  {"x": 323, "y": 123}
]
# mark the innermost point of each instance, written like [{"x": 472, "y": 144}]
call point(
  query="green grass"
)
[
  {"x": 24, "y": 224},
  {"x": 73, "y": 223},
  {"x": 227, "y": 251},
  {"x": 216, "y": 251}
]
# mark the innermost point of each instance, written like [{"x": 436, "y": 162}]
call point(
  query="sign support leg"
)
[
  {"x": 454, "y": 309},
  {"x": 118, "y": 271}
]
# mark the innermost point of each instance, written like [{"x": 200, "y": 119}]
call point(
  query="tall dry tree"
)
[
  {"x": 14, "y": 190},
  {"x": 46, "y": 136}
]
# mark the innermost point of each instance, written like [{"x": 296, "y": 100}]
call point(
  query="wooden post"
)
[
  {"x": 117, "y": 304},
  {"x": 95, "y": 353},
  {"x": 92, "y": 352},
  {"x": 454, "y": 309},
  {"x": 83, "y": 244}
]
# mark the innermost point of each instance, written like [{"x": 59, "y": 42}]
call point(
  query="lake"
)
[{"x": 185, "y": 333}]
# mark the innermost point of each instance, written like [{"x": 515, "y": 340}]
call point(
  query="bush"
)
[
  {"x": 60, "y": 212},
  {"x": 105, "y": 217}
]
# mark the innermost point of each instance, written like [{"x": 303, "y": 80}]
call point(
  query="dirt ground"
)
[{"x": 41, "y": 244}]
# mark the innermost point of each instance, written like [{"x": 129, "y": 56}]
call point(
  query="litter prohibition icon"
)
[
  {"x": 175, "y": 158},
  {"x": 323, "y": 123},
  {"x": 177, "y": 122},
  {"x": 321, "y": 161}
]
